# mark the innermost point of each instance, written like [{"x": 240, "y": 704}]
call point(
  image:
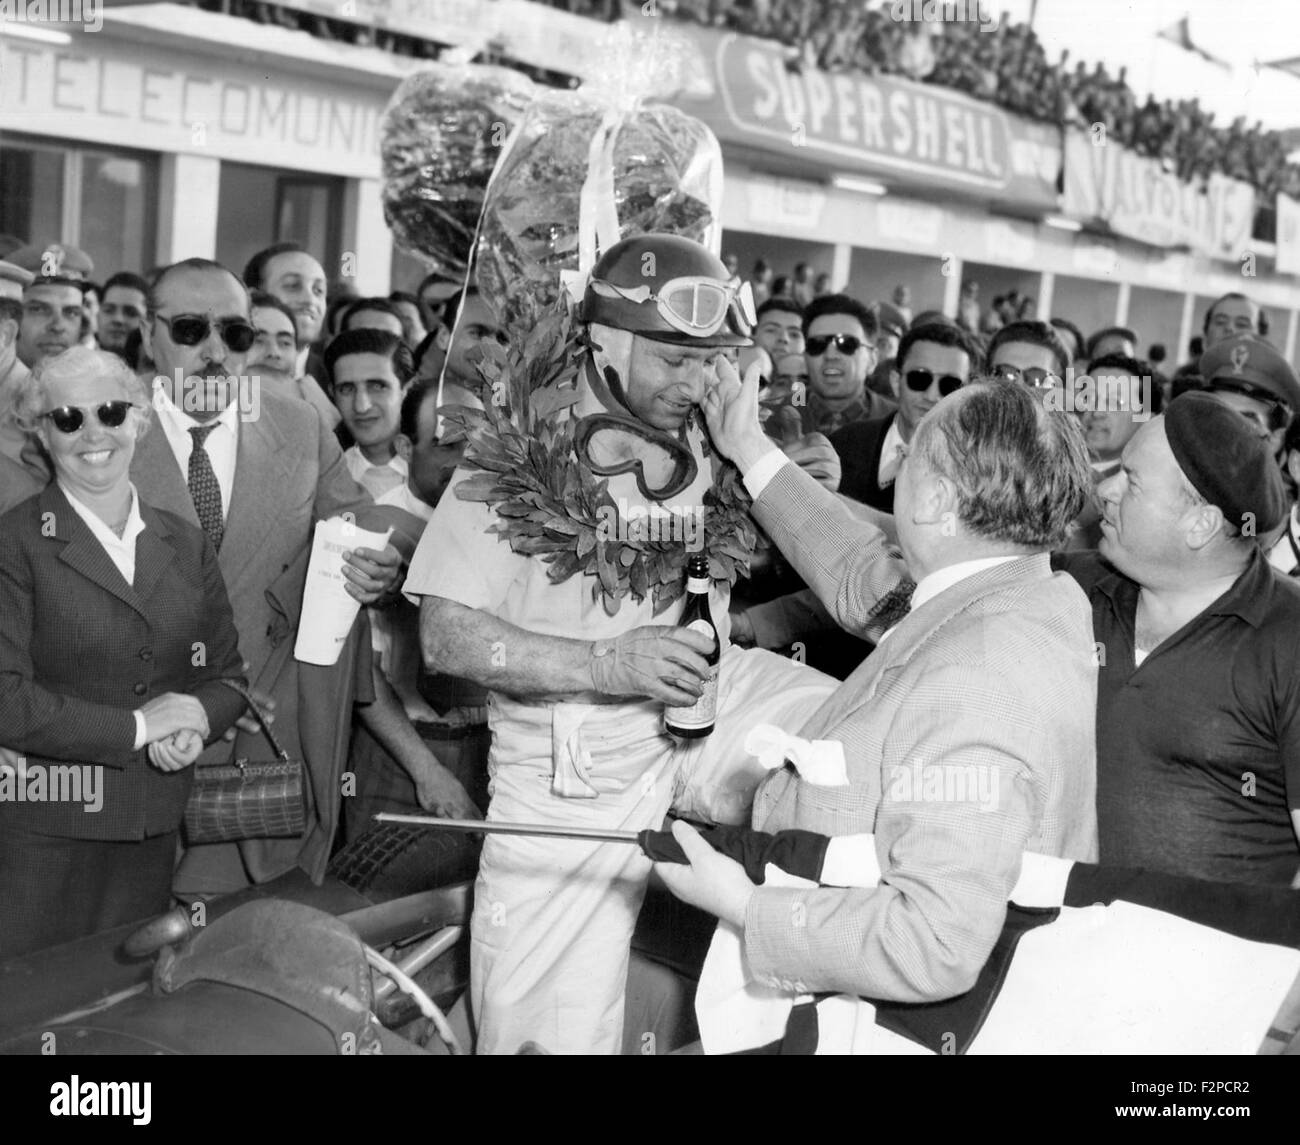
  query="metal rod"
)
[{"x": 486, "y": 828}]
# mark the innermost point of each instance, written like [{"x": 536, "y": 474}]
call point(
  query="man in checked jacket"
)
[{"x": 968, "y": 735}]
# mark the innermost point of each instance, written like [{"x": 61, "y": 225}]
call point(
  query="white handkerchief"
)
[{"x": 819, "y": 761}]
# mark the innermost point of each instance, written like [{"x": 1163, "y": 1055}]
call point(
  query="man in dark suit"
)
[
  {"x": 257, "y": 470},
  {"x": 933, "y": 361}
]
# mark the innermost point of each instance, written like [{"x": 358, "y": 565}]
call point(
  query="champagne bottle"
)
[{"x": 696, "y": 720}]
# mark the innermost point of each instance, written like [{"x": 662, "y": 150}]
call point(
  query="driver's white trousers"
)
[{"x": 553, "y": 918}]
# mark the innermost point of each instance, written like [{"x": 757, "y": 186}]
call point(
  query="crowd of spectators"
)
[
  {"x": 1008, "y": 65},
  {"x": 1004, "y": 63}
]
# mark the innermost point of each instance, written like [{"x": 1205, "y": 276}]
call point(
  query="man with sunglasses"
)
[
  {"x": 840, "y": 345},
  {"x": 257, "y": 481},
  {"x": 1029, "y": 352},
  {"x": 933, "y": 362},
  {"x": 577, "y": 688}
]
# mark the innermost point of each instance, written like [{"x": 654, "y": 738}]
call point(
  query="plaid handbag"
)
[{"x": 246, "y": 799}]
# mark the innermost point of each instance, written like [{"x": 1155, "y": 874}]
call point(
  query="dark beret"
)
[{"x": 1227, "y": 459}]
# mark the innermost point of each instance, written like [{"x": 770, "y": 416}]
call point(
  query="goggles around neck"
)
[
  {"x": 613, "y": 443},
  {"x": 695, "y": 304}
]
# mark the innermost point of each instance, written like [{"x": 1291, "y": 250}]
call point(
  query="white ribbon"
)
[{"x": 819, "y": 761}]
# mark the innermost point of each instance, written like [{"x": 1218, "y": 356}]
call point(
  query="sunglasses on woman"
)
[
  {"x": 191, "y": 329},
  {"x": 1036, "y": 377},
  {"x": 70, "y": 419},
  {"x": 846, "y": 344},
  {"x": 921, "y": 380}
]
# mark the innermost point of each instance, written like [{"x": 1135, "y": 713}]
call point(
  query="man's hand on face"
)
[
  {"x": 711, "y": 881},
  {"x": 731, "y": 412},
  {"x": 372, "y": 573}
]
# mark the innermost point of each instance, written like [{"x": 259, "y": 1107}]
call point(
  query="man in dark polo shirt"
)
[{"x": 1198, "y": 642}]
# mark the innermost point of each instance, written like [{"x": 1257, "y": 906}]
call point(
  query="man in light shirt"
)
[{"x": 369, "y": 370}]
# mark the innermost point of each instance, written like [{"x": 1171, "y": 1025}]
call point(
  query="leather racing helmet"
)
[{"x": 669, "y": 289}]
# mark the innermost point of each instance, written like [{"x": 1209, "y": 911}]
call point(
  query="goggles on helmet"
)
[{"x": 696, "y": 304}]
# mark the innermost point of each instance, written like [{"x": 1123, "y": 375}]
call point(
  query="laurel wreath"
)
[{"x": 548, "y": 502}]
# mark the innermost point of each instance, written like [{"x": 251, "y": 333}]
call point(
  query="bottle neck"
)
[{"x": 698, "y": 585}]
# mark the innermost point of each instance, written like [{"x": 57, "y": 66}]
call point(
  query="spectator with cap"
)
[
  {"x": 121, "y": 312},
  {"x": 1029, "y": 352},
  {"x": 1198, "y": 707},
  {"x": 1284, "y": 554},
  {"x": 51, "y": 319},
  {"x": 13, "y": 280},
  {"x": 1249, "y": 375},
  {"x": 893, "y": 325},
  {"x": 840, "y": 346},
  {"x": 54, "y": 260}
]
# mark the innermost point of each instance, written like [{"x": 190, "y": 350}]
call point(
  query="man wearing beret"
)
[
  {"x": 1198, "y": 645},
  {"x": 1249, "y": 375}
]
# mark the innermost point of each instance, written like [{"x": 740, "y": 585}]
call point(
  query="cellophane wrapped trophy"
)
[{"x": 542, "y": 179}]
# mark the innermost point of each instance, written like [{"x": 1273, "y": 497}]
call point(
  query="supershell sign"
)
[{"x": 919, "y": 132}]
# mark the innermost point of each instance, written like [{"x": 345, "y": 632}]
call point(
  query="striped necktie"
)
[{"x": 204, "y": 489}]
